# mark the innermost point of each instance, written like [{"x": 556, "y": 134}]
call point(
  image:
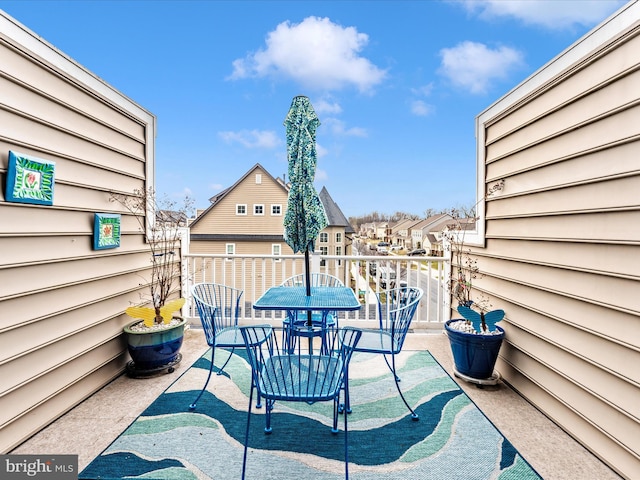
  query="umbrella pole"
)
[{"x": 308, "y": 282}]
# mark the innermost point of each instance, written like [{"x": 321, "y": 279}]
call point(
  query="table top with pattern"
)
[{"x": 295, "y": 298}]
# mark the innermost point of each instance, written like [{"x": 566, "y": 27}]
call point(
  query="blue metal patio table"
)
[{"x": 323, "y": 299}]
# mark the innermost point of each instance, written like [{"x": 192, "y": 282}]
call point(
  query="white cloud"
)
[
  {"x": 321, "y": 175},
  {"x": 421, "y": 108},
  {"x": 338, "y": 127},
  {"x": 473, "y": 66},
  {"x": 320, "y": 150},
  {"x": 551, "y": 14},
  {"x": 326, "y": 106},
  {"x": 316, "y": 53},
  {"x": 423, "y": 91},
  {"x": 252, "y": 138},
  {"x": 216, "y": 187}
]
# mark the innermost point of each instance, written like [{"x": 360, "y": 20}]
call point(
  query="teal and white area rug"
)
[{"x": 452, "y": 439}]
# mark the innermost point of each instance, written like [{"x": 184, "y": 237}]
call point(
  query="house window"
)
[
  {"x": 241, "y": 209},
  {"x": 276, "y": 209},
  {"x": 276, "y": 251},
  {"x": 258, "y": 178},
  {"x": 324, "y": 237},
  {"x": 339, "y": 237},
  {"x": 258, "y": 209},
  {"x": 323, "y": 251},
  {"x": 230, "y": 249},
  {"x": 339, "y": 252}
]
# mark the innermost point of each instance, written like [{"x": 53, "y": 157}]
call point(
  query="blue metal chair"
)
[
  {"x": 218, "y": 308},
  {"x": 297, "y": 376},
  {"x": 295, "y": 319},
  {"x": 396, "y": 309}
]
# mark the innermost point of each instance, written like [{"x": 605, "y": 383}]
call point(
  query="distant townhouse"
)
[
  {"x": 383, "y": 231},
  {"x": 368, "y": 230},
  {"x": 435, "y": 235},
  {"x": 419, "y": 232},
  {"x": 247, "y": 219},
  {"x": 337, "y": 237},
  {"x": 400, "y": 232}
]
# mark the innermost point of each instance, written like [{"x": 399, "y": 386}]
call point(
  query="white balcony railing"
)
[{"x": 366, "y": 275}]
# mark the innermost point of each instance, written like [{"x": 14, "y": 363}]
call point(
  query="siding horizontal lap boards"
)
[{"x": 563, "y": 237}]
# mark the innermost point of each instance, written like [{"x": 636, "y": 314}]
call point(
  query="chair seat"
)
[
  {"x": 375, "y": 341},
  {"x": 229, "y": 337},
  {"x": 308, "y": 378}
]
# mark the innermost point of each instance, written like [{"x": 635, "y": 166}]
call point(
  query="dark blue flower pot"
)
[
  {"x": 154, "y": 350},
  {"x": 474, "y": 355}
]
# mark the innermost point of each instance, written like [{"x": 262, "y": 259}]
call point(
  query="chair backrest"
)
[
  {"x": 218, "y": 307},
  {"x": 396, "y": 308},
  {"x": 295, "y": 375},
  {"x": 317, "y": 280}
]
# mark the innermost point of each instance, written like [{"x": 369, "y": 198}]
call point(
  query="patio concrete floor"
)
[{"x": 90, "y": 427}]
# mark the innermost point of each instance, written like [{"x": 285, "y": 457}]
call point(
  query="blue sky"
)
[{"x": 396, "y": 84}]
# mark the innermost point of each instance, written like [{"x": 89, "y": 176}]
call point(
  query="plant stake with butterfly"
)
[{"x": 155, "y": 337}]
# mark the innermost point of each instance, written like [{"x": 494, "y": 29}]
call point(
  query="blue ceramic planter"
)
[
  {"x": 155, "y": 349},
  {"x": 474, "y": 355}
]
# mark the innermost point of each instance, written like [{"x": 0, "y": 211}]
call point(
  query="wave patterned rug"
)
[{"x": 452, "y": 440}]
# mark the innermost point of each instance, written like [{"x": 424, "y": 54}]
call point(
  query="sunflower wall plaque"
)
[
  {"x": 106, "y": 231},
  {"x": 29, "y": 179}
]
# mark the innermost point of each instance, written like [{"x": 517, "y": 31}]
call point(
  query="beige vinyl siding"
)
[
  {"x": 562, "y": 240},
  {"x": 248, "y": 193},
  {"x": 62, "y": 301}
]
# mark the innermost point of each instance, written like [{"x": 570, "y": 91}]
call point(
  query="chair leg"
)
[
  {"x": 414, "y": 415},
  {"x": 346, "y": 448},
  {"x": 227, "y": 361},
  {"x": 267, "y": 418},
  {"x": 346, "y": 406},
  {"x": 193, "y": 405},
  {"x": 246, "y": 436},
  {"x": 392, "y": 368}
]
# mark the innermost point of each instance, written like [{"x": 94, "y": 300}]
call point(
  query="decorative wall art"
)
[
  {"x": 29, "y": 179},
  {"x": 106, "y": 231}
]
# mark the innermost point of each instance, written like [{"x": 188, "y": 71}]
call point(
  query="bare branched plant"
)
[
  {"x": 160, "y": 220},
  {"x": 465, "y": 267}
]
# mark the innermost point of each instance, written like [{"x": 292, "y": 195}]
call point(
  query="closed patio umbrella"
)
[{"x": 305, "y": 216}]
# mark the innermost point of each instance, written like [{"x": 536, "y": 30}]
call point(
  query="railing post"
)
[
  {"x": 315, "y": 262},
  {"x": 185, "y": 281},
  {"x": 446, "y": 246}
]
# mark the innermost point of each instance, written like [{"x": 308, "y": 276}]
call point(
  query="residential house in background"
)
[
  {"x": 247, "y": 219},
  {"x": 419, "y": 232},
  {"x": 383, "y": 231},
  {"x": 367, "y": 230},
  {"x": 400, "y": 232},
  {"x": 337, "y": 237}
]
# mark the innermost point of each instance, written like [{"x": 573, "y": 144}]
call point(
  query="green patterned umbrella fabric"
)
[{"x": 305, "y": 216}]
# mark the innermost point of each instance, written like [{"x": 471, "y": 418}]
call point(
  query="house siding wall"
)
[
  {"x": 562, "y": 243},
  {"x": 248, "y": 193},
  {"x": 62, "y": 301}
]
